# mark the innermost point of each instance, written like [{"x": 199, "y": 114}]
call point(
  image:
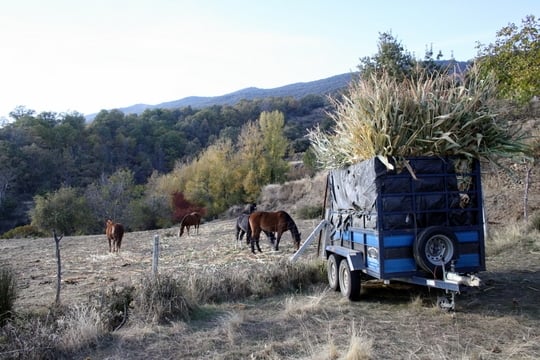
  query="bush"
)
[
  {"x": 8, "y": 293},
  {"x": 162, "y": 299},
  {"x": 113, "y": 306},
  {"x": 22, "y": 232}
]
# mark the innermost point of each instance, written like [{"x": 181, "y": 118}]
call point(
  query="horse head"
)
[
  {"x": 296, "y": 236},
  {"x": 250, "y": 208}
]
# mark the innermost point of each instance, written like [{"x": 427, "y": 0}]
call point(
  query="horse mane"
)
[
  {"x": 292, "y": 226},
  {"x": 196, "y": 214}
]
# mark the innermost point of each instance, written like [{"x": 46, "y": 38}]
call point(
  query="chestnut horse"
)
[
  {"x": 193, "y": 219},
  {"x": 242, "y": 227},
  {"x": 279, "y": 221},
  {"x": 115, "y": 233}
]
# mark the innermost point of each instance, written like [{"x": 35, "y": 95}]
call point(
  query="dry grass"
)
[
  {"x": 361, "y": 345},
  {"x": 80, "y": 327}
]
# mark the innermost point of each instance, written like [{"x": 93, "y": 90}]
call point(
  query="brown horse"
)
[
  {"x": 279, "y": 222},
  {"x": 193, "y": 219},
  {"x": 115, "y": 233}
]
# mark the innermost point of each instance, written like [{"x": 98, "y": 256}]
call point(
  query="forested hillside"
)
[{"x": 41, "y": 153}]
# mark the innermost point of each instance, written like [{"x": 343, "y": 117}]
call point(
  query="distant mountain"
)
[{"x": 296, "y": 90}]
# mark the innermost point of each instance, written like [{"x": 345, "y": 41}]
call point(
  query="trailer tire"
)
[
  {"x": 349, "y": 281},
  {"x": 435, "y": 245},
  {"x": 332, "y": 269}
]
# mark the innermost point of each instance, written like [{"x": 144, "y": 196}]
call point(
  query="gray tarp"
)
[{"x": 354, "y": 187}]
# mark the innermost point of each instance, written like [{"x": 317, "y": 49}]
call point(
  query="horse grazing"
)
[
  {"x": 279, "y": 221},
  {"x": 193, "y": 219},
  {"x": 115, "y": 233},
  {"x": 242, "y": 227}
]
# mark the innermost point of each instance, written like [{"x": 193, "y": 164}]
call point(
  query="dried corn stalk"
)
[{"x": 433, "y": 115}]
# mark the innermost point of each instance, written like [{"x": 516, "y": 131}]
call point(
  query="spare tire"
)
[{"x": 435, "y": 247}]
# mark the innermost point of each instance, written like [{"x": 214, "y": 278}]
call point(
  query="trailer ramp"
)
[{"x": 309, "y": 239}]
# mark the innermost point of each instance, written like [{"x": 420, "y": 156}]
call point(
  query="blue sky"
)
[{"x": 74, "y": 55}]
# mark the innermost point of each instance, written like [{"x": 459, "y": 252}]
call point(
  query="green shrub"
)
[
  {"x": 113, "y": 306},
  {"x": 8, "y": 293},
  {"x": 22, "y": 232}
]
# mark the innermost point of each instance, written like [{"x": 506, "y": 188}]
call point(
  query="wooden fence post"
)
[
  {"x": 155, "y": 257},
  {"x": 59, "y": 266}
]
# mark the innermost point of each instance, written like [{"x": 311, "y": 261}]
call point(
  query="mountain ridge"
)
[{"x": 296, "y": 90}]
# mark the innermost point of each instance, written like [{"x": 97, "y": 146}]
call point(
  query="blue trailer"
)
[{"x": 419, "y": 220}]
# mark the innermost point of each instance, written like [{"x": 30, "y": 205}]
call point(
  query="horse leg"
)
[
  {"x": 277, "y": 240},
  {"x": 270, "y": 236},
  {"x": 240, "y": 236},
  {"x": 255, "y": 241}
]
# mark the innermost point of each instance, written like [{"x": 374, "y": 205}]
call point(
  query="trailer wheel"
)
[
  {"x": 349, "y": 281},
  {"x": 434, "y": 247},
  {"x": 332, "y": 268}
]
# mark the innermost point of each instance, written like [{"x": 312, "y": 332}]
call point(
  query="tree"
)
[
  {"x": 250, "y": 153},
  {"x": 515, "y": 60},
  {"x": 212, "y": 182},
  {"x": 274, "y": 146},
  {"x": 392, "y": 59},
  {"x": 112, "y": 197},
  {"x": 64, "y": 211}
]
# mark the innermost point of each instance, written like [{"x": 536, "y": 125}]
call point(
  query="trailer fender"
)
[{"x": 355, "y": 258}]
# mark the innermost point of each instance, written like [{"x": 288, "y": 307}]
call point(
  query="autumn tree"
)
[
  {"x": 515, "y": 60},
  {"x": 212, "y": 182},
  {"x": 250, "y": 152},
  {"x": 275, "y": 146}
]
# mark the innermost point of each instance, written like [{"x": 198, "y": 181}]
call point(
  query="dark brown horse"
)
[
  {"x": 279, "y": 222},
  {"x": 115, "y": 233},
  {"x": 193, "y": 219}
]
